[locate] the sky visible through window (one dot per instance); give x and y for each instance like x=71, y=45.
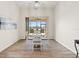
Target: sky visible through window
x=36, y=23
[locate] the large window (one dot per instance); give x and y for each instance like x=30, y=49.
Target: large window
x=36, y=27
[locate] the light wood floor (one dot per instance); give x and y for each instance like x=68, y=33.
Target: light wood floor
x=18, y=50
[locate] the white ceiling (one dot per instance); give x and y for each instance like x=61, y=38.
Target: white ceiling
x=41, y=3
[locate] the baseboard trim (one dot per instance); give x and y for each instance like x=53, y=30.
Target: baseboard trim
x=1, y=50
x=66, y=47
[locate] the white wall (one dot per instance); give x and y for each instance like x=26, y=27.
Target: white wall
x=67, y=23
x=41, y=12
x=8, y=37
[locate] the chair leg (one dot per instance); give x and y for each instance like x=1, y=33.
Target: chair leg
x=76, y=50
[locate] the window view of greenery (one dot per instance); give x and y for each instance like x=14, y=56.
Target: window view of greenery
x=37, y=26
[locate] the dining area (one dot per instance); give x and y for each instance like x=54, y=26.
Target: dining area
x=37, y=43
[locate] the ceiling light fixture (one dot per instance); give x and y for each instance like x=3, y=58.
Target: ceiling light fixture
x=36, y=3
